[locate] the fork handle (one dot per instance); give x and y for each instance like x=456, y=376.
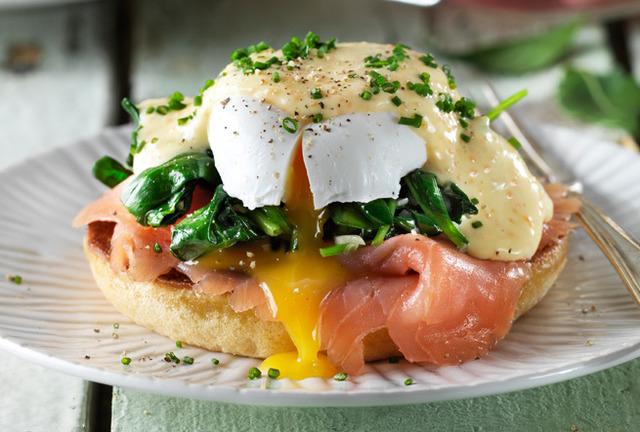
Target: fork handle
x=617, y=245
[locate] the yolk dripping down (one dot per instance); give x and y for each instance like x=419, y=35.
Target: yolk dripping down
x=298, y=281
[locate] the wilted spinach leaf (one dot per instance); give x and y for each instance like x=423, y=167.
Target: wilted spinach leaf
x=110, y=172
x=161, y=195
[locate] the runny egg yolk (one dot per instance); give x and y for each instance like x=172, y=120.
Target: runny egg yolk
x=298, y=281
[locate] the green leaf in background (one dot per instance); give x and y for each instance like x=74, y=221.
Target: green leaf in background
x=528, y=54
x=612, y=100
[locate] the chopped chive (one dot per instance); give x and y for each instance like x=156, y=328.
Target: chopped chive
x=316, y=93
x=116, y=325
x=452, y=81
x=276, y=77
x=475, y=201
x=463, y=123
x=394, y=359
x=157, y=248
x=126, y=360
x=183, y=120
x=416, y=121
x=466, y=138
x=154, y=140
x=188, y=360
x=515, y=143
x=333, y=250
x=366, y=95
x=162, y=109
x=290, y=125
x=206, y=85
x=150, y=110
x=197, y=100
x=16, y=279
x=317, y=118
x=340, y=376
x=175, y=101
x=408, y=381
x=353, y=75
x=254, y=373
x=179, y=344
x=476, y=224
x=171, y=357
x=215, y=361
x=396, y=101
x=428, y=60
x=495, y=112
x=273, y=373
x=445, y=102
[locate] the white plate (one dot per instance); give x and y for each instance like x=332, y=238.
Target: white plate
x=58, y=318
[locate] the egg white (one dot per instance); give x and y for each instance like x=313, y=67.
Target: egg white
x=356, y=157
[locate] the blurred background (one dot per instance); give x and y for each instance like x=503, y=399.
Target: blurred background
x=64, y=65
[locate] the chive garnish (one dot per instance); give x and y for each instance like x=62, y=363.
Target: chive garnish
x=276, y=77
x=408, y=381
x=179, y=344
x=515, y=143
x=197, y=100
x=150, y=110
x=188, y=360
x=317, y=118
x=16, y=279
x=495, y=112
x=162, y=109
x=171, y=357
x=476, y=224
x=254, y=373
x=452, y=81
x=157, y=248
x=428, y=60
x=396, y=101
x=353, y=75
x=183, y=120
x=445, y=102
x=126, y=360
x=273, y=373
x=116, y=325
x=333, y=250
x=475, y=201
x=366, y=95
x=175, y=101
x=466, y=138
x=290, y=125
x=416, y=121
x=340, y=376
x=215, y=361
x=316, y=93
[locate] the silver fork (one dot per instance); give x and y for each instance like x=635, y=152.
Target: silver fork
x=617, y=245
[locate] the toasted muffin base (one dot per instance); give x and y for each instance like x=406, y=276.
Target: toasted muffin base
x=171, y=308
